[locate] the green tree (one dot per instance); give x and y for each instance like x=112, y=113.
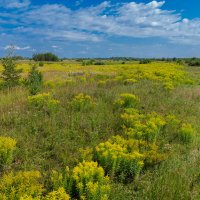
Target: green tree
x=45, y=57
x=34, y=80
x=10, y=75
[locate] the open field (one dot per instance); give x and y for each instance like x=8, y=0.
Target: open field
x=139, y=122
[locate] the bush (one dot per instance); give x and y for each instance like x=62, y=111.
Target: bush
x=127, y=101
x=34, y=81
x=140, y=126
x=90, y=181
x=21, y=185
x=124, y=159
x=82, y=102
x=43, y=102
x=186, y=133
x=7, y=146
x=41, y=64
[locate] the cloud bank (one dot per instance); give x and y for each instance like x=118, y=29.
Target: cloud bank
x=57, y=22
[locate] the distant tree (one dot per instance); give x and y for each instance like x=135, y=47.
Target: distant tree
x=45, y=57
x=34, y=80
x=145, y=61
x=10, y=75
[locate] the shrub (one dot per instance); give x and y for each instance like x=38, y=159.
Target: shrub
x=82, y=102
x=186, y=133
x=90, y=181
x=124, y=159
x=140, y=126
x=7, y=146
x=43, y=102
x=59, y=194
x=41, y=64
x=21, y=185
x=34, y=81
x=127, y=101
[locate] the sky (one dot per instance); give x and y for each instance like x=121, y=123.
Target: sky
x=94, y=28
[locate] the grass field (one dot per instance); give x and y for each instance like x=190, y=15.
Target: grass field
x=140, y=122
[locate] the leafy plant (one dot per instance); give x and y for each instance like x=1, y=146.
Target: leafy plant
x=82, y=102
x=90, y=181
x=124, y=159
x=140, y=126
x=127, y=101
x=21, y=185
x=43, y=102
x=59, y=194
x=7, y=146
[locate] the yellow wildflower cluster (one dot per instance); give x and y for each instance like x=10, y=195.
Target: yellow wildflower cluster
x=90, y=181
x=127, y=101
x=43, y=102
x=82, y=102
x=124, y=159
x=20, y=185
x=7, y=146
x=170, y=74
x=140, y=126
x=59, y=194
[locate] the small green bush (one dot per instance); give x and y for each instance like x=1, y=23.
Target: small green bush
x=7, y=146
x=41, y=64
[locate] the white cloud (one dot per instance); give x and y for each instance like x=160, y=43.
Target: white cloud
x=16, y=47
x=137, y=20
x=14, y=3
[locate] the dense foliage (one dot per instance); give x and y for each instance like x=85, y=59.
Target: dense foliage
x=45, y=57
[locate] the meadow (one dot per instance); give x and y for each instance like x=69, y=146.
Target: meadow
x=97, y=132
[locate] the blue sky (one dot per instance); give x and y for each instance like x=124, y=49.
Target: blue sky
x=94, y=28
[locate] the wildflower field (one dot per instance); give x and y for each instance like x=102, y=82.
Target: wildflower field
x=117, y=131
